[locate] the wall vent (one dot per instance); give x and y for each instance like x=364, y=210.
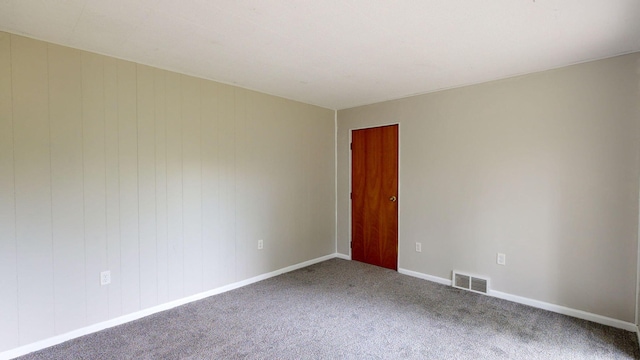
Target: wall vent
x=470, y=282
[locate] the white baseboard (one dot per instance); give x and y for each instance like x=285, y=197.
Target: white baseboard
x=431, y=278
x=55, y=340
x=538, y=304
x=342, y=256
x=566, y=311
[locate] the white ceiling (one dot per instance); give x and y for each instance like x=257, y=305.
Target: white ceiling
x=337, y=53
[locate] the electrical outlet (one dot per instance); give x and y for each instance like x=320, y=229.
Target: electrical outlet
x=502, y=259
x=418, y=247
x=260, y=244
x=105, y=278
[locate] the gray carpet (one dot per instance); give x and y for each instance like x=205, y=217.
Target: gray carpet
x=348, y=310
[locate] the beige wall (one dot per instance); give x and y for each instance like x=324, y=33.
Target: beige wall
x=542, y=167
x=164, y=179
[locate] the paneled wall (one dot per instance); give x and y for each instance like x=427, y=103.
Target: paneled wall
x=166, y=180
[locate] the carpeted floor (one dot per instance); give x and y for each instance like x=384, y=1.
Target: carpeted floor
x=348, y=310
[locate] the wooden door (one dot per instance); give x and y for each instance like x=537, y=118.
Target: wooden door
x=374, y=205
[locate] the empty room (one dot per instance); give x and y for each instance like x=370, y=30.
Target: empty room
x=319, y=179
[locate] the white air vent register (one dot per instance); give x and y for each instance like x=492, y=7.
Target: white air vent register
x=470, y=282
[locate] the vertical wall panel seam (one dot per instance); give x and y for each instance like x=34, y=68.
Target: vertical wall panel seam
x=180, y=122
x=218, y=166
x=53, y=273
x=15, y=200
x=235, y=183
x=118, y=177
x=335, y=177
x=138, y=187
x=84, y=215
x=155, y=181
x=166, y=182
x=201, y=207
x=106, y=193
x=116, y=98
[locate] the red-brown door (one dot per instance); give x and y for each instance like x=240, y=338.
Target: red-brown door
x=374, y=205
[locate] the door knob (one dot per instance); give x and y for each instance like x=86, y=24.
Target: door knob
x=393, y=199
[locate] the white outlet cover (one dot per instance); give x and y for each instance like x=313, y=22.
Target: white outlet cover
x=260, y=244
x=105, y=278
x=418, y=247
x=501, y=259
